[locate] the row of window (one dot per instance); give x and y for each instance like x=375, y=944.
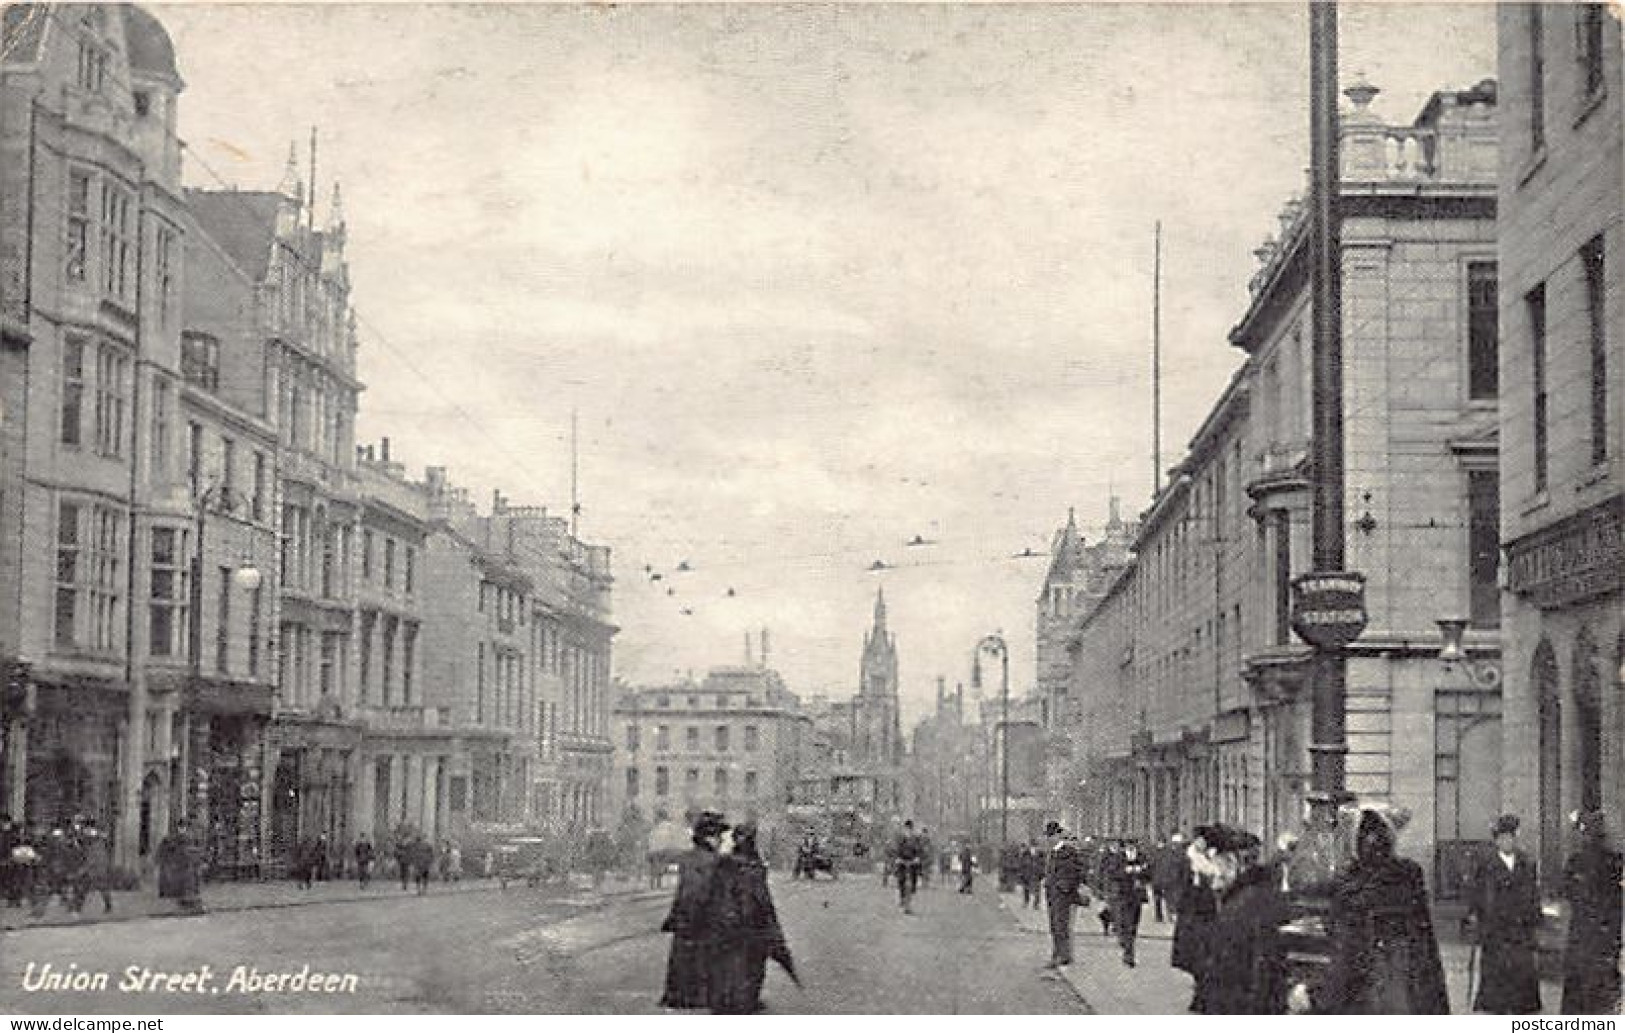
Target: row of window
x=313, y=664
x=721, y=782
x=724, y=700
x=1593, y=294
x=391, y=630
x=721, y=737
x=97, y=371
x=499, y=687
x=89, y=595
x=380, y=563
x=1590, y=25
x=316, y=416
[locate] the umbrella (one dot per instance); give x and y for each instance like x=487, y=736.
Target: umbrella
x=781, y=954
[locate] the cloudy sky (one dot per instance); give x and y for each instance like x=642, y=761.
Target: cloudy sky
x=817, y=278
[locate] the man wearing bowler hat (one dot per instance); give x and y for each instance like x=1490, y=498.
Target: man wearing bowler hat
x=1504, y=912
x=1062, y=876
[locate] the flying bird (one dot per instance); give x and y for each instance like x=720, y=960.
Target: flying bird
x=687, y=612
x=731, y=593
x=683, y=567
x=880, y=565
x=655, y=576
x=918, y=540
x=1027, y=554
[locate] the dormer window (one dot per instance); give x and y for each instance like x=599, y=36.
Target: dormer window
x=143, y=103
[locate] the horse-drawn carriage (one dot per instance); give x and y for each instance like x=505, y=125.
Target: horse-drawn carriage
x=528, y=859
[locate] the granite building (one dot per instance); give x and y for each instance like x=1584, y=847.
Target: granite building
x=1562, y=314
x=1195, y=689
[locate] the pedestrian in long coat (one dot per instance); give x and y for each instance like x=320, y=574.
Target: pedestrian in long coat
x=1196, y=907
x=1168, y=874
x=1385, y=958
x=1247, y=976
x=1063, y=875
x=422, y=863
x=747, y=928
x=1505, y=912
x=98, y=871
x=1125, y=875
x=363, y=860
x=691, y=920
x=1591, y=882
x=179, y=869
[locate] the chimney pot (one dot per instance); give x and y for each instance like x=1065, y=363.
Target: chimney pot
x=383, y=449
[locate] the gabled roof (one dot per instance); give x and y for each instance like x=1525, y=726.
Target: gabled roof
x=242, y=222
x=1068, y=553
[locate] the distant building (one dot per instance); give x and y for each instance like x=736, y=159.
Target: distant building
x=1562, y=426
x=947, y=769
x=1078, y=577
x=734, y=742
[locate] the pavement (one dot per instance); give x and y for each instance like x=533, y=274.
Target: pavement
x=131, y=905
x=1155, y=987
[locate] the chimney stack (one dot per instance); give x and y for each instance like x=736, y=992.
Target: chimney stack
x=764, y=647
x=383, y=449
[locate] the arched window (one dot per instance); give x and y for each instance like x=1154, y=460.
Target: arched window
x=1588, y=714
x=1543, y=678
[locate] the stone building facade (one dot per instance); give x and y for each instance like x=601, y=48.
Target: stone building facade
x=1079, y=574
x=1197, y=702
x=301, y=313
x=734, y=741
x=1562, y=246
x=96, y=503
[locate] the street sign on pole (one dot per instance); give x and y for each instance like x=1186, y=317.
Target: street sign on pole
x=1328, y=608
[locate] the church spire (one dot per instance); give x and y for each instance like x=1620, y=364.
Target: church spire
x=292, y=187
x=880, y=610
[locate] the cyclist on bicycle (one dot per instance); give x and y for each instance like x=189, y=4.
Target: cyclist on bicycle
x=909, y=854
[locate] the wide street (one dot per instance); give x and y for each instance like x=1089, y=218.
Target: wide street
x=521, y=951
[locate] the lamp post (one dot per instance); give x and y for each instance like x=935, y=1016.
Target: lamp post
x=994, y=644
x=220, y=497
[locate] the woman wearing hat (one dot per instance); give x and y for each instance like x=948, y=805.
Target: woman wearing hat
x=1195, y=909
x=1247, y=974
x=692, y=921
x=1505, y=911
x=1385, y=958
x=747, y=928
x=1591, y=882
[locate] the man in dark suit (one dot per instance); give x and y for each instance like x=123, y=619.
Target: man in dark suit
x=1504, y=912
x=1063, y=873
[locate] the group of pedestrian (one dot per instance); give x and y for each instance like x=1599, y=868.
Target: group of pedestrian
x=414, y=859
x=1504, y=918
x=1230, y=904
x=67, y=862
x=723, y=924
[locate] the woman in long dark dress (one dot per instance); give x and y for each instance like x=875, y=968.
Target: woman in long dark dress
x=692, y=919
x=747, y=926
x=1195, y=908
x=1591, y=881
x=1247, y=976
x=1385, y=958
